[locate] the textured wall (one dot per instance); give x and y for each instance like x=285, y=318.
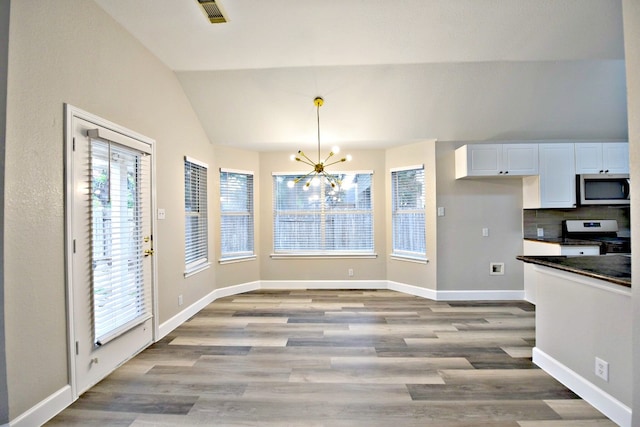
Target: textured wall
x=470, y=205
x=322, y=269
x=631, y=16
x=423, y=275
x=231, y=158
x=4, y=55
x=70, y=51
x=375, y=106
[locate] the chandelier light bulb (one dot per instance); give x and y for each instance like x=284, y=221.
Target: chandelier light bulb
x=318, y=171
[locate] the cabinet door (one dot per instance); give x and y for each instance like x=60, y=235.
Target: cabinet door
x=520, y=159
x=615, y=157
x=557, y=175
x=484, y=159
x=588, y=157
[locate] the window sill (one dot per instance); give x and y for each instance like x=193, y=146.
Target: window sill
x=234, y=260
x=196, y=270
x=325, y=256
x=410, y=259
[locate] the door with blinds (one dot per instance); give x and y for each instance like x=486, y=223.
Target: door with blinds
x=111, y=248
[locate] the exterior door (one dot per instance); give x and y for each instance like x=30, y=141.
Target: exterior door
x=111, y=248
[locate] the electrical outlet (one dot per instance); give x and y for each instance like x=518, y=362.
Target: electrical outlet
x=602, y=369
x=540, y=232
x=485, y=232
x=351, y=272
x=180, y=300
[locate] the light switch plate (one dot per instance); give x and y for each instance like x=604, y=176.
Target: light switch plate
x=161, y=214
x=440, y=211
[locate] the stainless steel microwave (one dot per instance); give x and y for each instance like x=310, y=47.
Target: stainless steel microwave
x=603, y=189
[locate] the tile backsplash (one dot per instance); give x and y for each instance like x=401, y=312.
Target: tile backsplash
x=551, y=219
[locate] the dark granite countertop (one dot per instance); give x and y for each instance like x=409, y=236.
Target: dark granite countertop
x=563, y=241
x=611, y=268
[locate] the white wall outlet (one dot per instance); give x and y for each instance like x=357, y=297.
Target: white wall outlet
x=351, y=272
x=161, y=214
x=180, y=300
x=496, y=268
x=540, y=232
x=602, y=369
x=440, y=211
x=485, y=232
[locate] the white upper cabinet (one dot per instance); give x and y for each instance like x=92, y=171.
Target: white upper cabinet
x=476, y=160
x=555, y=187
x=602, y=157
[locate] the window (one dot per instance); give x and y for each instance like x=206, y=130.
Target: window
x=195, y=211
x=408, y=212
x=119, y=202
x=236, y=211
x=323, y=220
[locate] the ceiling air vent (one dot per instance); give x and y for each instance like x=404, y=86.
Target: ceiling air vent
x=212, y=11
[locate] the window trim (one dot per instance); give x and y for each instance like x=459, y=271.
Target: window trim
x=204, y=263
x=404, y=255
x=317, y=254
x=245, y=256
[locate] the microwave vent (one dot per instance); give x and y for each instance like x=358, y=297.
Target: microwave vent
x=212, y=11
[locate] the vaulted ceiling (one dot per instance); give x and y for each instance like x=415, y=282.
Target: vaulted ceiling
x=391, y=72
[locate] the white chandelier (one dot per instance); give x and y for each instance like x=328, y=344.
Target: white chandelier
x=319, y=167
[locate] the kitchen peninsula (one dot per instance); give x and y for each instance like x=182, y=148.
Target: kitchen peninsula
x=583, y=327
x=610, y=268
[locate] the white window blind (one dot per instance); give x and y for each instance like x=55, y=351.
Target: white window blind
x=323, y=220
x=236, y=214
x=119, y=179
x=195, y=210
x=408, y=212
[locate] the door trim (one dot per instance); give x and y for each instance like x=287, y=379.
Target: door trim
x=71, y=112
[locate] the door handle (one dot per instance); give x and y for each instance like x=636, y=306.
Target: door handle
x=148, y=252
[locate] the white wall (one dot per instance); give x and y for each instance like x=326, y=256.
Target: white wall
x=471, y=205
x=410, y=273
x=245, y=271
x=4, y=46
x=373, y=105
x=631, y=16
x=579, y=319
x=322, y=269
x=70, y=51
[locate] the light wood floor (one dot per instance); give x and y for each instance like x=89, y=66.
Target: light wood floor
x=338, y=358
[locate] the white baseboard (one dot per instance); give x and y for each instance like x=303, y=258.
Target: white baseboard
x=602, y=401
x=323, y=284
x=412, y=290
x=166, y=327
x=456, y=295
x=45, y=410
x=236, y=289
x=480, y=295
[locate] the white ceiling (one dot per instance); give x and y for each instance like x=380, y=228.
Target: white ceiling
x=391, y=72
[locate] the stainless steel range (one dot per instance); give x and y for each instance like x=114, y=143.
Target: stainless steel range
x=603, y=231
